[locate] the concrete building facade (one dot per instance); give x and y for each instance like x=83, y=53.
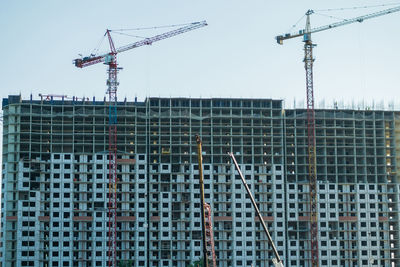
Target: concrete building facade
x=55, y=182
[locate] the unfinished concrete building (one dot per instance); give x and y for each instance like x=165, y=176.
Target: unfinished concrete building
x=55, y=182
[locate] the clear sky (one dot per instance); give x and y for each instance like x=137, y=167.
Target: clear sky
x=235, y=56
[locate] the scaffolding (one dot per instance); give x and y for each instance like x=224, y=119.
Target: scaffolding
x=55, y=165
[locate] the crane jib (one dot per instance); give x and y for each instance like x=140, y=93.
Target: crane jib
x=151, y=40
x=91, y=60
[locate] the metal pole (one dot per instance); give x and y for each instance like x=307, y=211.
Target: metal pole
x=203, y=215
x=277, y=261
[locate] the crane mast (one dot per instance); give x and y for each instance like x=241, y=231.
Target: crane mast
x=312, y=162
x=110, y=59
x=112, y=84
x=308, y=65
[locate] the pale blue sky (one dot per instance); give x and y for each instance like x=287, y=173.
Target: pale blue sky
x=235, y=56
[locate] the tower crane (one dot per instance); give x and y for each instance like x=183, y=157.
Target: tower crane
x=308, y=64
x=110, y=59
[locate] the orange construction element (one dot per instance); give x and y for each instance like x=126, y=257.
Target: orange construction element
x=210, y=234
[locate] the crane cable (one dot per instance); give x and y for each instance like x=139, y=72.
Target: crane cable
x=347, y=8
x=357, y=7
x=97, y=48
x=154, y=27
x=329, y=16
x=130, y=35
x=120, y=32
x=295, y=25
x=95, y=51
